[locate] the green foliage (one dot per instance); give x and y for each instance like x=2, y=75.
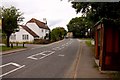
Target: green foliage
x=95, y=11
x=79, y=26
x=88, y=42
x=4, y=38
x=10, y=18
x=57, y=34
x=5, y=48
x=0, y=12
x=41, y=41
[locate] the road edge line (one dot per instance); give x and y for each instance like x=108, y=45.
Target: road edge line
x=77, y=62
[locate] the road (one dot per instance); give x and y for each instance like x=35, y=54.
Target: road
x=50, y=61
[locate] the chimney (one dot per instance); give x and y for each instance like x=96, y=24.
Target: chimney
x=45, y=21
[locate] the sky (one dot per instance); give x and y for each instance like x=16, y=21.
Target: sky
x=57, y=12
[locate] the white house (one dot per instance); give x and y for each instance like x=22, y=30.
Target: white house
x=34, y=29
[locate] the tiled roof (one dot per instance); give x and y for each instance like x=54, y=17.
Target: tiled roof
x=39, y=23
x=29, y=31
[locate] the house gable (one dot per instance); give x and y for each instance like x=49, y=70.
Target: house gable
x=29, y=31
x=40, y=28
x=39, y=23
x=18, y=36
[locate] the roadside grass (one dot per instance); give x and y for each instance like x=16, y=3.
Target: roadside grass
x=95, y=65
x=88, y=42
x=4, y=48
x=115, y=76
x=85, y=38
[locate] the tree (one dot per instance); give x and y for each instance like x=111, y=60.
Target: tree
x=10, y=19
x=95, y=11
x=79, y=26
x=58, y=33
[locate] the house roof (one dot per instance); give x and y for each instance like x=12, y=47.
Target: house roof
x=29, y=31
x=39, y=23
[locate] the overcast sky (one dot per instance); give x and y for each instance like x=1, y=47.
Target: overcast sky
x=57, y=12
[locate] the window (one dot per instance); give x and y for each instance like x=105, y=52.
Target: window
x=42, y=30
x=25, y=37
x=47, y=31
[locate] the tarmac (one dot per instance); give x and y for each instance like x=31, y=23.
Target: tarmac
x=28, y=46
x=87, y=65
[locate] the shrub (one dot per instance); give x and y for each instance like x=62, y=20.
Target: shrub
x=41, y=41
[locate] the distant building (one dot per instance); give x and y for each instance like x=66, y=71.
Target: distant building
x=69, y=35
x=34, y=29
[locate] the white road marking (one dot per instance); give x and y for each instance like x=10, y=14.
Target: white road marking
x=30, y=57
x=61, y=55
x=47, y=55
x=11, y=63
x=38, y=47
x=56, y=48
x=66, y=43
x=39, y=54
x=44, y=55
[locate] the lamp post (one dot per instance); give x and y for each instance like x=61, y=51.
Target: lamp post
x=2, y=21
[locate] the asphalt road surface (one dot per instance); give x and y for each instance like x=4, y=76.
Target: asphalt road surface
x=50, y=61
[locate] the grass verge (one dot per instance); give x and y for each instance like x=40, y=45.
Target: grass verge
x=88, y=42
x=4, y=48
x=115, y=76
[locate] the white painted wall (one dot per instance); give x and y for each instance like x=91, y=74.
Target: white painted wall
x=37, y=30
x=19, y=37
x=34, y=28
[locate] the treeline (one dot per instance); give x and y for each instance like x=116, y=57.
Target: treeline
x=80, y=26
x=57, y=33
x=92, y=13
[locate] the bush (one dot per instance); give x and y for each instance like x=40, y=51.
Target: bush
x=41, y=41
x=88, y=42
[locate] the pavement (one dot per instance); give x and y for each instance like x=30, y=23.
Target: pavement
x=87, y=68
x=69, y=58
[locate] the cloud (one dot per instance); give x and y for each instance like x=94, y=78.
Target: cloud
x=54, y=22
x=57, y=12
